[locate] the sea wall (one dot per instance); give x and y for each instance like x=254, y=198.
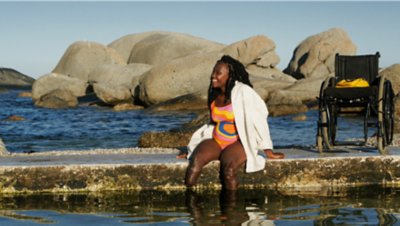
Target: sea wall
x=140, y=171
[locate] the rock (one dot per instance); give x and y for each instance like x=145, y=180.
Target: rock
x=15, y=118
x=82, y=57
x=252, y=50
x=25, y=94
x=307, y=90
x=193, y=101
x=11, y=77
x=301, y=117
x=191, y=74
x=58, y=98
x=118, y=75
x=164, y=139
x=178, y=77
x=162, y=48
x=315, y=56
x=53, y=81
x=175, y=138
x=3, y=149
x=126, y=107
x=125, y=44
x=112, y=95
x=265, y=86
x=393, y=74
x=286, y=109
x=396, y=114
x=268, y=73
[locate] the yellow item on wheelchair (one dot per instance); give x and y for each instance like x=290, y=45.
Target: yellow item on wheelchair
x=356, y=83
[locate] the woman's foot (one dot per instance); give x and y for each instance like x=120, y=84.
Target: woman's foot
x=274, y=155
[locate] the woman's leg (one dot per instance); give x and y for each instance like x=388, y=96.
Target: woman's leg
x=205, y=152
x=232, y=157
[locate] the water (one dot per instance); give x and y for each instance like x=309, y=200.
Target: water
x=352, y=206
x=96, y=127
x=88, y=127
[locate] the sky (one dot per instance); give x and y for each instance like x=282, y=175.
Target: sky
x=34, y=35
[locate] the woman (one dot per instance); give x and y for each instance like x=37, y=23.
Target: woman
x=237, y=130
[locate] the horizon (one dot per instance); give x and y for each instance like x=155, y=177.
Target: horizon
x=36, y=34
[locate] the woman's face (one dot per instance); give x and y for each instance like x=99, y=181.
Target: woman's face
x=220, y=76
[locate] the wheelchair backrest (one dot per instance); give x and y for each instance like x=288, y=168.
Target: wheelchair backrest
x=357, y=66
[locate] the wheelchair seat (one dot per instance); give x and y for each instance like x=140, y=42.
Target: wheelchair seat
x=351, y=93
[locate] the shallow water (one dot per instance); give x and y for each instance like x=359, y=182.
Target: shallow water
x=353, y=206
x=89, y=127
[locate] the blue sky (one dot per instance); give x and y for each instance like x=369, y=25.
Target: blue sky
x=34, y=35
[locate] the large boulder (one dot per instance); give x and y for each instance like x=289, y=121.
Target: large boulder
x=112, y=95
x=82, y=57
x=191, y=74
x=315, y=56
x=393, y=74
x=125, y=44
x=161, y=48
x=253, y=50
x=53, y=81
x=117, y=83
x=11, y=77
x=58, y=98
x=192, y=102
x=264, y=86
x=118, y=75
x=178, y=77
x=396, y=128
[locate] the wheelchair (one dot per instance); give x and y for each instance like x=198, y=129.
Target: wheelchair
x=374, y=101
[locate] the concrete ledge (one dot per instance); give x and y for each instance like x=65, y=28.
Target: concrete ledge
x=138, y=169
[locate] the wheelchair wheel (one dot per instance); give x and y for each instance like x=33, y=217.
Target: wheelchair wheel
x=385, y=115
x=324, y=122
x=388, y=113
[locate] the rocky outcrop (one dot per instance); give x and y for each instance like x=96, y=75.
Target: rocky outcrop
x=164, y=139
x=393, y=74
x=162, y=48
x=125, y=44
x=112, y=95
x=116, y=83
x=178, y=77
x=191, y=74
x=58, y=98
x=253, y=50
x=192, y=102
x=315, y=56
x=396, y=128
x=53, y=81
x=81, y=58
x=11, y=77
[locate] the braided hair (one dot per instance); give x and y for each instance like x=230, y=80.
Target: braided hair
x=237, y=72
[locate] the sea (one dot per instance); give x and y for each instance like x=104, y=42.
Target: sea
x=93, y=127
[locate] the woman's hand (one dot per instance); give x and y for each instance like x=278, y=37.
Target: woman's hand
x=273, y=155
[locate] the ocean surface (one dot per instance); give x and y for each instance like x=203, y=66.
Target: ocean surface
x=93, y=127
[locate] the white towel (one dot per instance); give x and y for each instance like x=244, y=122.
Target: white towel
x=251, y=115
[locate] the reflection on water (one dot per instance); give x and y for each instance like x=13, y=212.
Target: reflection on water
x=365, y=206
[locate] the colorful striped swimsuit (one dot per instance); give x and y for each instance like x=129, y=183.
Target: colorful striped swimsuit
x=225, y=132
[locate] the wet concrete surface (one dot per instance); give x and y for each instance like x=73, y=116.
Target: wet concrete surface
x=151, y=168
x=166, y=155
